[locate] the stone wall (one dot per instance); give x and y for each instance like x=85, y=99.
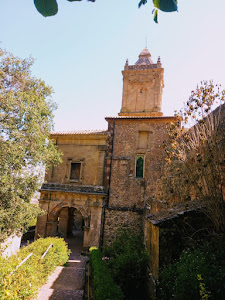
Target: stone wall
x=125, y=189
x=116, y=219
x=11, y=245
x=221, y=111
x=85, y=149
x=151, y=234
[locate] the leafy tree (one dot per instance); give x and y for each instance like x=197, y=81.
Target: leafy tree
x=199, y=273
x=50, y=7
x=195, y=154
x=26, y=118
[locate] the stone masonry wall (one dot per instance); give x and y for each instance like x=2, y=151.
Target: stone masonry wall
x=125, y=189
x=116, y=219
x=11, y=245
x=221, y=110
x=88, y=150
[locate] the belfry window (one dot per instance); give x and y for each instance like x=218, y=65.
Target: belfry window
x=140, y=166
x=75, y=171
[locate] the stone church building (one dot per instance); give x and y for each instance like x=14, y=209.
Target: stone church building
x=107, y=179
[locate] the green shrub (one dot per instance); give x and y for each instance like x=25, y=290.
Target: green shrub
x=103, y=284
x=25, y=281
x=32, y=222
x=128, y=262
x=198, y=274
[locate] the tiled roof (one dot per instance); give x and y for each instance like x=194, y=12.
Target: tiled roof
x=144, y=58
x=81, y=132
x=145, y=52
x=175, y=211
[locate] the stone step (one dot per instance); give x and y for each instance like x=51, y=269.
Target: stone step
x=75, y=263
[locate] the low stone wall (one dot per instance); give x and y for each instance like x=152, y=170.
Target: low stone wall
x=11, y=245
x=116, y=218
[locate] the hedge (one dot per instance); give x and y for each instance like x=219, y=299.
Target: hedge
x=127, y=263
x=25, y=281
x=103, y=284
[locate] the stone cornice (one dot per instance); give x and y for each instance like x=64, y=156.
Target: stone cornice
x=151, y=118
x=125, y=208
x=78, y=189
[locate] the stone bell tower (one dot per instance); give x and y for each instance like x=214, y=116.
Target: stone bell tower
x=142, y=87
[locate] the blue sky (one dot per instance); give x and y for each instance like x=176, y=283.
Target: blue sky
x=82, y=50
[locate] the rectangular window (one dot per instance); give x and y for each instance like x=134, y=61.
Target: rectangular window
x=140, y=166
x=75, y=171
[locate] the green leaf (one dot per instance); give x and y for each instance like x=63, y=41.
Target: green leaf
x=46, y=7
x=166, y=5
x=156, y=16
x=142, y=2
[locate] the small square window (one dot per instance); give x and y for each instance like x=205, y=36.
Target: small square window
x=75, y=171
x=140, y=166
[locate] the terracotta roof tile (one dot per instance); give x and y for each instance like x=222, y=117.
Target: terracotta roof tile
x=80, y=132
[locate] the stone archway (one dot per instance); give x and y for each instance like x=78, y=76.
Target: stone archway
x=69, y=220
x=89, y=205
x=54, y=213
x=64, y=210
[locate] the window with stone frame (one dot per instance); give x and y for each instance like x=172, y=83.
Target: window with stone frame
x=139, y=166
x=75, y=170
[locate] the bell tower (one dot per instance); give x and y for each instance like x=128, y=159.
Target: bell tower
x=142, y=87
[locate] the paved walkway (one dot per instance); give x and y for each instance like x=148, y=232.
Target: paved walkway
x=67, y=282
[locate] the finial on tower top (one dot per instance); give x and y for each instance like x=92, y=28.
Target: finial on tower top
x=159, y=64
x=126, y=65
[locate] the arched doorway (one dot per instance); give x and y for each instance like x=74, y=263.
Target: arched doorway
x=71, y=227
x=90, y=209
x=70, y=221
